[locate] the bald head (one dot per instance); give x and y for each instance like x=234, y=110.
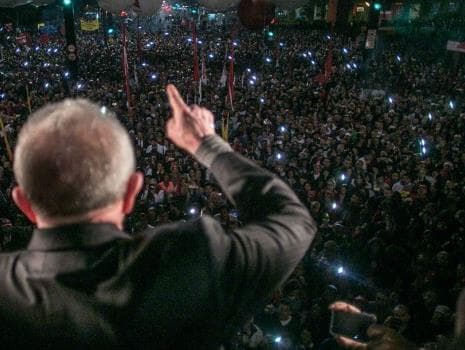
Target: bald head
x=73, y=157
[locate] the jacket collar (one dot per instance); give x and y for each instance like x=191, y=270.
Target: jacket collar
x=75, y=236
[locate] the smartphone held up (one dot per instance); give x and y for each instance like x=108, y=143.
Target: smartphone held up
x=351, y=325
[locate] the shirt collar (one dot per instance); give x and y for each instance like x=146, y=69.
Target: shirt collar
x=75, y=236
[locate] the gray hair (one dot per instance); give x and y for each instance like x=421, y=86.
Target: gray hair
x=73, y=157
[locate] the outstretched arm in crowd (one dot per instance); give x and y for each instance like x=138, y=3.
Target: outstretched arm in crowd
x=381, y=337
x=255, y=259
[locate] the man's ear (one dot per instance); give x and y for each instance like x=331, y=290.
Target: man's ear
x=135, y=183
x=21, y=201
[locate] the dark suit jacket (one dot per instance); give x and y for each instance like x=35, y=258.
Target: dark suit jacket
x=177, y=287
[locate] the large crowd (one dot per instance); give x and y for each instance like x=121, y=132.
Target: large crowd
x=376, y=154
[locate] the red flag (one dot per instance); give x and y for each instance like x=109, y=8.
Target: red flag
x=196, y=55
x=323, y=78
x=320, y=79
x=231, y=76
x=44, y=39
x=329, y=63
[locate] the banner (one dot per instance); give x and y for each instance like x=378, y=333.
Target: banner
x=90, y=26
x=456, y=46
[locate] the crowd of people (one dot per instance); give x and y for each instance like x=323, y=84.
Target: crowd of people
x=375, y=153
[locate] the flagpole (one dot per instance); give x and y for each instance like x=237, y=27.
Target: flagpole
x=223, y=78
x=196, y=55
x=126, y=66
x=136, y=78
x=28, y=99
x=225, y=127
x=5, y=140
x=231, y=76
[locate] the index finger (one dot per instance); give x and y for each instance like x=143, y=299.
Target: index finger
x=175, y=99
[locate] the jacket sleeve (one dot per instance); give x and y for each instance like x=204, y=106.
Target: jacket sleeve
x=255, y=259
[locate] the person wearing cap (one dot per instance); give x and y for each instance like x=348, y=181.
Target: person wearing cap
x=84, y=283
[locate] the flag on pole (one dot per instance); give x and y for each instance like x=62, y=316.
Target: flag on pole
x=329, y=63
x=325, y=76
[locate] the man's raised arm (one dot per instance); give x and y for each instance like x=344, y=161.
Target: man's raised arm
x=255, y=259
